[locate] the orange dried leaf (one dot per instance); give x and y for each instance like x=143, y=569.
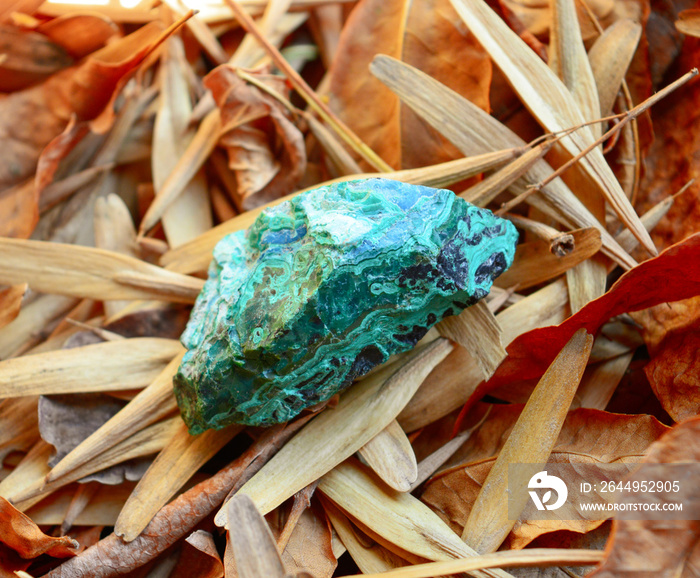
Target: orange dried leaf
x=660, y=547
x=424, y=34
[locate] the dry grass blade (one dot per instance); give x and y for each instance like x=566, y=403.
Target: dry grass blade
x=550, y=102
x=189, y=213
x=477, y=330
x=530, y=442
x=11, y=302
x=534, y=262
x=586, y=282
x=391, y=456
x=569, y=61
x=29, y=473
x=86, y=272
x=398, y=517
x=487, y=190
x=610, y=58
x=535, y=557
x=147, y=442
x=196, y=255
x=368, y=555
x=195, y=155
x=251, y=542
x=474, y=132
x=109, y=366
x=150, y=405
x=364, y=410
x=176, y=463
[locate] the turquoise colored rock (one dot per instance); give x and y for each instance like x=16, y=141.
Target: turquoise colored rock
x=324, y=287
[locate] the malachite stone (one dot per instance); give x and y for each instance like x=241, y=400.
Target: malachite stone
x=324, y=287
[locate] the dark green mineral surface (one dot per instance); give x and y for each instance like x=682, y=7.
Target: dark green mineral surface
x=324, y=287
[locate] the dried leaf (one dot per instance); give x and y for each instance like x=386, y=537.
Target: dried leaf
x=18, y=532
x=114, y=365
x=20, y=424
x=189, y=215
x=363, y=411
x=10, y=303
x=689, y=22
x=266, y=150
x=80, y=34
x=454, y=380
x=674, y=374
x=587, y=436
x=309, y=547
x=199, y=557
x=550, y=102
x=29, y=57
x=530, y=442
x=150, y=405
x=425, y=35
x=659, y=547
x=175, y=464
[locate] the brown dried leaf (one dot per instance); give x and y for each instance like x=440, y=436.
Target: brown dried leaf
x=199, y=558
x=424, y=34
x=674, y=374
x=660, y=547
x=10, y=303
x=79, y=34
x=28, y=58
x=309, y=547
x=587, y=436
x=266, y=150
x=24, y=537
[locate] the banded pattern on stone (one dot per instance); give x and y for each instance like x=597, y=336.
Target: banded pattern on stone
x=326, y=286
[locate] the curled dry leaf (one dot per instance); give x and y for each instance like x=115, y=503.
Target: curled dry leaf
x=424, y=34
x=587, y=436
x=10, y=303
x=265, y=148
x=661, y=548
x=310, y=546
x=20, y=534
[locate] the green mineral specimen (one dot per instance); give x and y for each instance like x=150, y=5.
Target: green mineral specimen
x=324, y=287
